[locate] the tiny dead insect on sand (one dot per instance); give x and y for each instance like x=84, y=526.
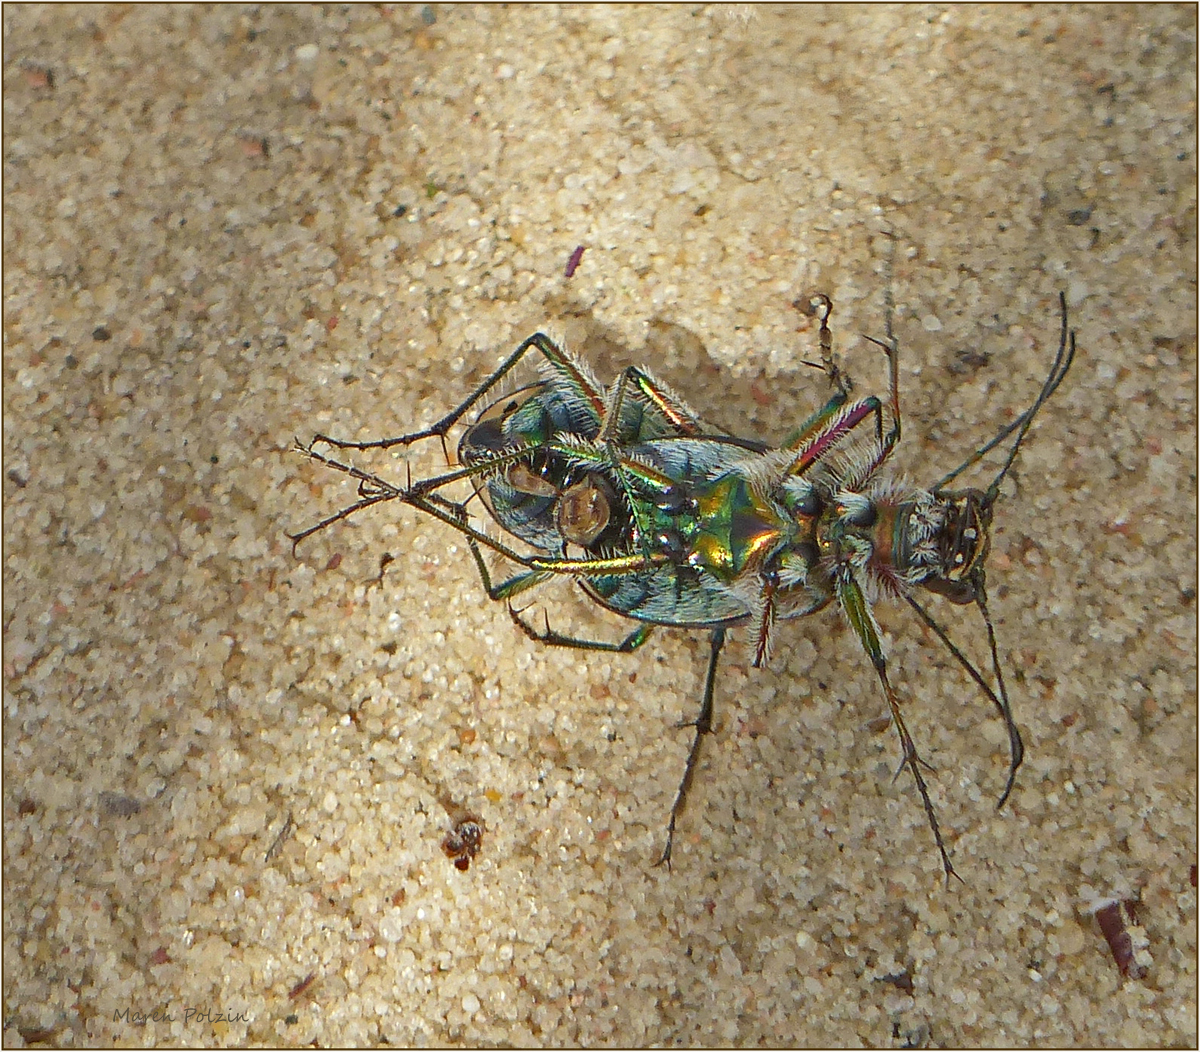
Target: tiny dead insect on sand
x=464, y=842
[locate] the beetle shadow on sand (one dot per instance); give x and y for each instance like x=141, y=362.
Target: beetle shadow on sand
x=750, y=405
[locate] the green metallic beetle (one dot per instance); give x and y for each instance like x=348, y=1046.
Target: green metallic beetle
x=666, y=520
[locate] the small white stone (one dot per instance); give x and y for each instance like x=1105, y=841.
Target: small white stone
x=470, y=1004
x=307, y=52
x=330, y=802
x=391, y=927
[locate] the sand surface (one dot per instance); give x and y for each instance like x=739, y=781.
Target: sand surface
x=228, y=771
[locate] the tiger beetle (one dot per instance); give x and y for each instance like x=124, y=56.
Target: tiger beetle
x=664, y=519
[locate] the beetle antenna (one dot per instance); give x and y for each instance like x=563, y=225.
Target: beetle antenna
x=1062, y=362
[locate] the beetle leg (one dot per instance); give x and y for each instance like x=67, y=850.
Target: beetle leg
x=858, y=613
x=679, y=416
x=559, y=360
x=827, y=427
x=554, y=639
x=702, y=725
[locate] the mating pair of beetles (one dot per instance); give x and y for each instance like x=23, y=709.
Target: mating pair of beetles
x=667, y=520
